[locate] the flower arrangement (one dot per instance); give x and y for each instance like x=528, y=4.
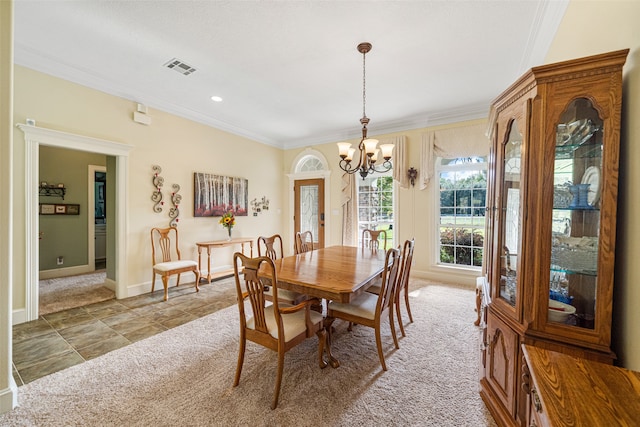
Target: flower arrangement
x=228, y=220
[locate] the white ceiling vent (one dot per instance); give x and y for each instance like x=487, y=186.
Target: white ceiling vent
x=180, y=66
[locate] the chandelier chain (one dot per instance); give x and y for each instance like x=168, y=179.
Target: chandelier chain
x=364, y=85
x=368, y=161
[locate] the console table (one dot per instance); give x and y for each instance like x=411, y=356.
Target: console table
x=219, y=244
x=569, y=391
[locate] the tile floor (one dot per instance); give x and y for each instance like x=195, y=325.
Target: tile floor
x=59, y=340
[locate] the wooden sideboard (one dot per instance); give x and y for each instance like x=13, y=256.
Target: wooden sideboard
x=570, y=391
x=219, y=244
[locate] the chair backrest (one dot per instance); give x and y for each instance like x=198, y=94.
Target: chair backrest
x=304, y=242
x=390, y=277
x=271, y=246
x=164, y=245
x=370, y=239
x=246, y=270
x=407, y=258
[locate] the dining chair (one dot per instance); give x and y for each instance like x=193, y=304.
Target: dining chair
x=370, y=239
x=403, y=285
x=279, y=328
x=272, y=247
x=368, y=309
x=164, y=245
x=304, y=242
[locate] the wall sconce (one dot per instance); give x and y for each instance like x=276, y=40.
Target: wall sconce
x=259, y=205
x=412, y=173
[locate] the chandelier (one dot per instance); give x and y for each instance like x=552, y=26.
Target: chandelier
x=367, y=148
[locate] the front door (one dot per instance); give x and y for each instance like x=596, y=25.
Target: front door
x=309, y=209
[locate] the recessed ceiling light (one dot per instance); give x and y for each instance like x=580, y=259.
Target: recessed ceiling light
x=216, y=99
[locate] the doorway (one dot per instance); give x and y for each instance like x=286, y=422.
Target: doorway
x=309, y=209
x=117, y=161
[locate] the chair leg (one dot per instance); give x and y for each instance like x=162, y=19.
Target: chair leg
x=276, y=392
x=399, y=316
x=393, y=327
x=243, y=344
x=165, y=283
x=197, y=273
x=153, y=282
x=379, y=344
x=406, y=302
x=178, y=281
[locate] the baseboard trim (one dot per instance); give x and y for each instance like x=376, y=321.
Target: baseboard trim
x=459, y=279
x=9, y=397
x=67, y=271
x=18, y=316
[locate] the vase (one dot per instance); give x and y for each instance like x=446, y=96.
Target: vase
x=574, y=189
x=583, y=195
x=229, y=231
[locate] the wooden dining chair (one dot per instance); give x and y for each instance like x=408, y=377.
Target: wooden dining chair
x=166, y=259
x=272, y=247
x=368, y=309
x=403, y=285
x=304, y=242
x=370, y=239
x=279, y=328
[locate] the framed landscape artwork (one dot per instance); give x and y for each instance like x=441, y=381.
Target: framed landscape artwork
x=214, y=195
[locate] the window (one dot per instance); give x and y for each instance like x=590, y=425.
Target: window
x=375, y=204
x=310, y=163
x=462, y=201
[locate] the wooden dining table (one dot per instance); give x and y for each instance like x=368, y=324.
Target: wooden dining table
x=336, y=273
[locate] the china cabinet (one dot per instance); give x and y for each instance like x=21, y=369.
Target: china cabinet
x=551, y=222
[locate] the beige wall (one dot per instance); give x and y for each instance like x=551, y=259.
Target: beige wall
x=181, y=147
x=589, y=28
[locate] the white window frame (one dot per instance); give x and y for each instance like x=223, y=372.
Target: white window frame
x=454, y=168
x=393, y=238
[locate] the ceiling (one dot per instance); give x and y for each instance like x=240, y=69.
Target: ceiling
x=288, y=71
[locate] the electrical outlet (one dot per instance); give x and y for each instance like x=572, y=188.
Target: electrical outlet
x=60, y=260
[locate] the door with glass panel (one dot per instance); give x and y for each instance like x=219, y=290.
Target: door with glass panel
x=309, y=209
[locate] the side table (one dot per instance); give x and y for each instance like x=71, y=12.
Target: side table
x=219, y=244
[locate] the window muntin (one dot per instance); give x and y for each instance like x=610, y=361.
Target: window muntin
x=375, y=205
x=461, y=216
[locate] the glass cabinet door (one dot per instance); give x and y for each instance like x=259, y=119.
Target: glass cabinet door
x=510, y=226
x=576, y=216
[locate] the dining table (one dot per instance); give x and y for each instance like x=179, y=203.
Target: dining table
x=335, y=273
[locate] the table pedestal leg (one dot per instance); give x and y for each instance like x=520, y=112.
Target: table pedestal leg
x=327, y=326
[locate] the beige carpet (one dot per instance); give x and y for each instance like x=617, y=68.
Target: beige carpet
x=70, y=292
x=183, y=377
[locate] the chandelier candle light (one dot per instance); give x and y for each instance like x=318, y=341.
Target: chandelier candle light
x=368, y=147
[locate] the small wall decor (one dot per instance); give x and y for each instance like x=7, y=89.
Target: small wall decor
x=215, y=195
x=157, y=181
x=56, y=190
x=412, y=173
x=59, y=209
x=174, y=212
x=258, y=206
